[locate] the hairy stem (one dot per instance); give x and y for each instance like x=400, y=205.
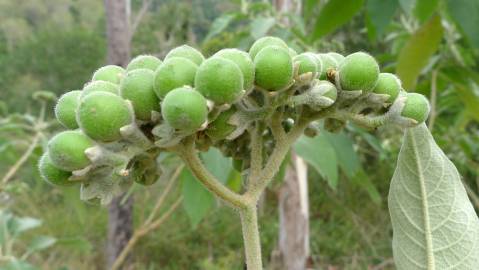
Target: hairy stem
x=252, y=245
x=189, y=155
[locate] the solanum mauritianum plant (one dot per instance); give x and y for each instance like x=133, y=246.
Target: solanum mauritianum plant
x=252, y=106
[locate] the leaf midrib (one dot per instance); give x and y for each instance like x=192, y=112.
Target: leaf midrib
x=425, y=206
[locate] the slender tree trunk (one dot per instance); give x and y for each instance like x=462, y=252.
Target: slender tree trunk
x=120, y=222
x=293, y=248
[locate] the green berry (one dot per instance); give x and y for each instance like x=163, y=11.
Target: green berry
x=388, y=84
x=219, y=80
x=328, y=62
x=184, y=109
x=244, y=62
x=187, y=52
x=138, y=87
x=53, y=174
x=220, y=128
x=264, y=42
x=67, y=150
x=110, y=73
x=292, y=52
x=273, y=68
x=337, y=57
x=173, y=73
x=101, y=115
x=65, y=110
x=144, y=61
x=100, y=86
x=358, y=71
x=307, y=63
x=416, y=107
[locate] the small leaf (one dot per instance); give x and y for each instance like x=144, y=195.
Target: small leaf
x=320, y=154
x=21, y=224
x=41, y=242
x=380, y=13
x=434, y=223
x=217, y=164
x=466, y=15
x=424, y=9
x=197, y=199
x=416, y=53
x=334, y=14
x=261, y=26
x=219, y=24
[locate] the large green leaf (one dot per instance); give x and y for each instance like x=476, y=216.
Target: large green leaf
x=319, y=153
x=197, y=199
x=217, y=164
x=415, y=55
x=380, y=13
x=424, y=9
x=261, y=26
x=466, y=15
x=434, y=223
x=334, y=14
x=220, y=24
x=348, y=160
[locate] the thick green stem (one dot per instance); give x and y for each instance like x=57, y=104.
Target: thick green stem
x=252, y=245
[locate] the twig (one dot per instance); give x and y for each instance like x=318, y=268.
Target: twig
x=144, y=230
x=256, y=153
x=11, y=172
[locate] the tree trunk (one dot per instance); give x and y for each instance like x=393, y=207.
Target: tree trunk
x=120, y=222
x=293, y=248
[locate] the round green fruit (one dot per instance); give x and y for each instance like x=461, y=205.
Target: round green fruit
x=99, y=86
x=307, y=63
x=67, y=150
x=264, y=42
x=416, y=107
x=187, y=52
x=219, y=80
x=173, y=73
x=273, y=68
x=101, y=115
x=388, y=84
x=328, y=62
x=65, y=109
x=144, y=61
x=292, y=52
x=184, y=109
x=220, y=128
x=358, y=71
x=244, y=62
x=337, y=57
x=110, y=73
x=53, y=174
x=138, y=87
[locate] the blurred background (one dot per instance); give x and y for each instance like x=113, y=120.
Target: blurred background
x=48, y=47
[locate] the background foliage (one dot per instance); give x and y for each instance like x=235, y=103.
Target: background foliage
x=433, y=45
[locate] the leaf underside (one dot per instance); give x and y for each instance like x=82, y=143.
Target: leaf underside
x=434, y=224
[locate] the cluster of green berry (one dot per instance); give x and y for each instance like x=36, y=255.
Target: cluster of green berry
x=121, y=120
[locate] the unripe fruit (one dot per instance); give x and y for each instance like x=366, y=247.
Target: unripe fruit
x=328, y=62
x=173, y=73
x=137, y=86
x=101, y=115
x=244, y=62
x=416, y=107
x=358, y=71
x=100, y=86
x=220, y=128
x=65, y=110
x=264, y=42
x=292, y=52
x=388, y=84
x=273, y=68
x=187, y=52
x=52, y=174
x=110, y=73
x=219, y=80
x=337, y=57
x=67, y=150
x=307, y=63
x=144, y=61
x=184, y=109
